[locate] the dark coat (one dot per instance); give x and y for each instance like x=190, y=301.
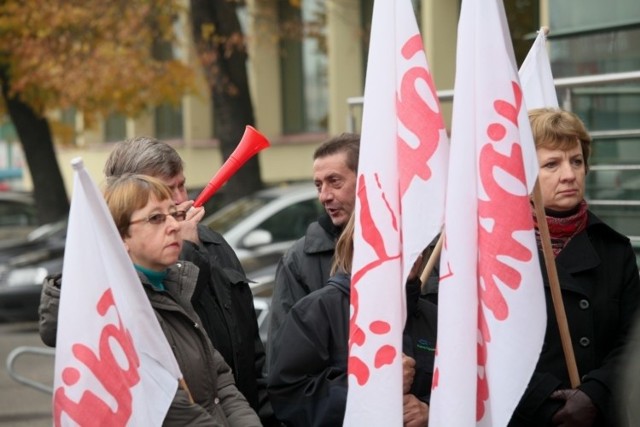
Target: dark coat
x=224, y=302
x=308, y=381
x=209, y=378
x=304, y=268
x=601, y=291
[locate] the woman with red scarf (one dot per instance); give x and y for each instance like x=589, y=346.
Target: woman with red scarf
x=599, y=282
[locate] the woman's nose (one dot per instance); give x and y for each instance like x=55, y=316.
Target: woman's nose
x=172, y=223
x=567, y=172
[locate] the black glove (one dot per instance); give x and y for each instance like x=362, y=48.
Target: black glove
x=578, y=409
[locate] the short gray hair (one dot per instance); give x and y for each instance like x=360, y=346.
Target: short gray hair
x=144, y=155
x=348, y=143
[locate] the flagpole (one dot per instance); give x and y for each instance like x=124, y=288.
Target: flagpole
x=554, y=285
x=431, y=262
x=185, y=387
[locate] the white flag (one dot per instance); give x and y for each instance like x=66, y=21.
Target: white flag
x=491, y=306
x=536, y=78
x=399, y=207
x=113, y=363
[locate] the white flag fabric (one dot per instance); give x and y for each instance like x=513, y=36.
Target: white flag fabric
x=113, y=364
x=491, y=307
x=399, y=207
x=536, y=78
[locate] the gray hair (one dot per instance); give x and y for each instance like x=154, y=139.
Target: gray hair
x=348, y=143
x=144, y=155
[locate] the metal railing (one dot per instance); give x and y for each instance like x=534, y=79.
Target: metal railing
x=566, y=87
x=565, y=84
x=16, y=353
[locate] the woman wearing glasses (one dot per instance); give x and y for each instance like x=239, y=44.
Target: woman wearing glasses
x=149, y=224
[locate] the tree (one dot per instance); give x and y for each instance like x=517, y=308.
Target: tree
x=221, y=48
x=524, y=20
x=34, y=131
x=95, y=56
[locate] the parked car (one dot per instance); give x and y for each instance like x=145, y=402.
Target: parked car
x=259, y=227
x=262, y=306
x=635, y=243
x=262, y=226
x=23, y=267
x=18, y=216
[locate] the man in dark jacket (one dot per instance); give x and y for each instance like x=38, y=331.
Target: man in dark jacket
x=222, y=298
x=308, y=378
x=306, y=265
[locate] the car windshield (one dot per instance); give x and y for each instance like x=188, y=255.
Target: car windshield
x=227, y=217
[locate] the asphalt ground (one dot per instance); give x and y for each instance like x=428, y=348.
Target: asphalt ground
x=21, y=405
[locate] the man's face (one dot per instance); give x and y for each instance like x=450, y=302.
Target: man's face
x=177, y=186
x=336, y=185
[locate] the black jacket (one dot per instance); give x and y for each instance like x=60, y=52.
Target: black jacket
x=601, y=291
x=303, y=269
x=308, y=379
x=224, y=303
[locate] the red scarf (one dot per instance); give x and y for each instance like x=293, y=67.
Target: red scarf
x=562, y=229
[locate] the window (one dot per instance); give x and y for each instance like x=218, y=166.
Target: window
x=304, y=66
x=168, y=118
x=594, y=37
x=115, y=128
x=291, y=222
x=168, y=122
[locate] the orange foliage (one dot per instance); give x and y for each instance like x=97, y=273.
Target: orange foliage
x=94, y=55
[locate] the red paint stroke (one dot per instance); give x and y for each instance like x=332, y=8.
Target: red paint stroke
x=115, y=379
x=380, y=327
x=508, y=213
x=416, y=115
x=359, y=369
x=385, y=356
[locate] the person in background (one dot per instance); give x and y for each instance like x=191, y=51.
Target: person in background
x=599, y=282
x=306, y=265
x=308, y=382
x=149, y=223
x=222, y=297
x=629, y=389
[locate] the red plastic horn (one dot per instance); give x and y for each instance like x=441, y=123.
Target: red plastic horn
x=252, y=143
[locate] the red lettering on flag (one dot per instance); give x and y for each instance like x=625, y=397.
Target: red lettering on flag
x=116, y=379
x=358, y=334
x=416, y=115
x=503, y=214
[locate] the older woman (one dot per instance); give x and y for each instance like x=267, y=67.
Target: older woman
x=149, y=224
x=599, y=282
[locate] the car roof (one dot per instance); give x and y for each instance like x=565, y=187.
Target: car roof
x=16, y=196
x=287, y=188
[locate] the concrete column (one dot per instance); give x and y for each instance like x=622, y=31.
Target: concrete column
x=544, y=13
x=197, y=118
x=264, y=65
x=143, y=125
x=439, y=33
x=345, y=62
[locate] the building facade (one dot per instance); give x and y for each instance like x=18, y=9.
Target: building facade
x=299, y=87
x=302, y=77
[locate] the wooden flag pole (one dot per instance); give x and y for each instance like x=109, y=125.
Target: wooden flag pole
x=183, y=385
x=554, y=285
x=431, y=262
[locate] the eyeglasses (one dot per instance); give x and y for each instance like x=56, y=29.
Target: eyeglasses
x=160, y=218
